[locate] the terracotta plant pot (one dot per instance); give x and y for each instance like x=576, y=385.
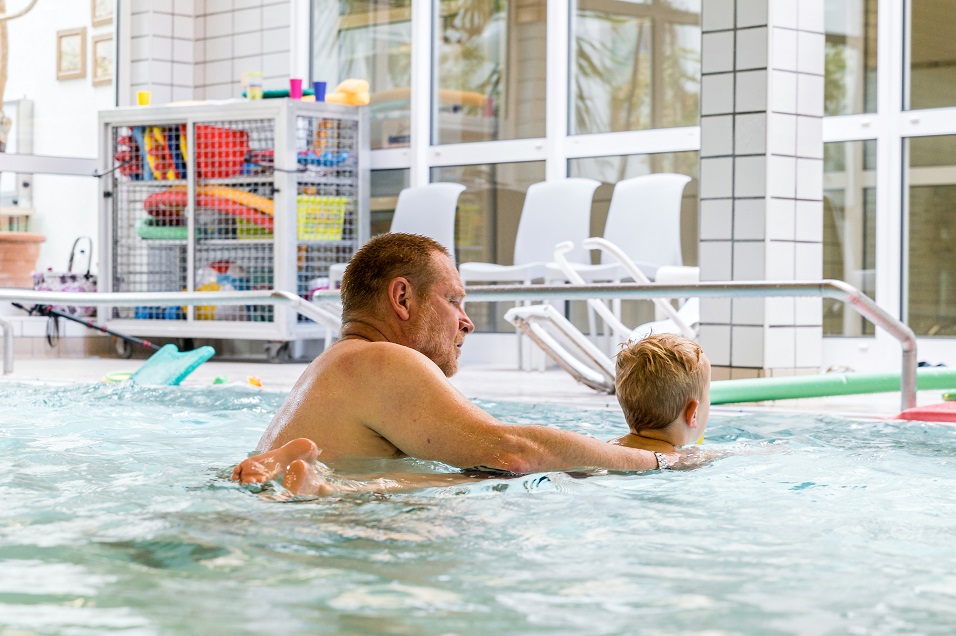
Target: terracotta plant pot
x=18, y=258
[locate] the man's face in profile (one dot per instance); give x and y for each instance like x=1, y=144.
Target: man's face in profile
x=441, y=325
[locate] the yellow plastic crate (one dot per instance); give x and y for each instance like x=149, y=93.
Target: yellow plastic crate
x=320, y=218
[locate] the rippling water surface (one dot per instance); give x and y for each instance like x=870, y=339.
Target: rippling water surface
x=117, y=517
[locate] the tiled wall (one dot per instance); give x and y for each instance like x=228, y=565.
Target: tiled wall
x=199, y=49
x=761, y=173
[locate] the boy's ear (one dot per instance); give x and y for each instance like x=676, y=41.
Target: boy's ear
x=690, y=413
x=399, y=296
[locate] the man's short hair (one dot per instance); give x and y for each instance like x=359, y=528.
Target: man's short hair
x=656, y=377
x=382, y=259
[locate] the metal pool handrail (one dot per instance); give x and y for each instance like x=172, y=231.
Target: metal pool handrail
x=161, y=299
x=834, y=289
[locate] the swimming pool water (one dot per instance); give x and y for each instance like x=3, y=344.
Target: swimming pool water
x=117, y=517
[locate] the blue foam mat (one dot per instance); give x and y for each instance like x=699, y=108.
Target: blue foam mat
x=170, y=366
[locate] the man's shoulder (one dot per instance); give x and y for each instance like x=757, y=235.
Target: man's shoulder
x=363, y=356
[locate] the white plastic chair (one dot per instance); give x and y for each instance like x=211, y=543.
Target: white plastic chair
x=428, y=210
x=643, y=220
x=553, y=212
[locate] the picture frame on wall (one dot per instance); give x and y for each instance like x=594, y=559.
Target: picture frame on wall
x=101, y=51
x=102, y=12
x=71, y=54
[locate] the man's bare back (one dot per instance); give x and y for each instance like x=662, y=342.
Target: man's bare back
x=346, y=395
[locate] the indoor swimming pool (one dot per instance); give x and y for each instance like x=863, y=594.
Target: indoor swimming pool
x=118, y=517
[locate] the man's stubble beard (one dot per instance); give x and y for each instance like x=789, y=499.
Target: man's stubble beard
x=428, y=339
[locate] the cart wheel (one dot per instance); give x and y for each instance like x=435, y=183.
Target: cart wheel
x=277, y=351
x=124, y=349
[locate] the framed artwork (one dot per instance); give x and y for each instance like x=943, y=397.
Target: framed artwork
x=102, y=12
x=102, y=54
x=71, y=54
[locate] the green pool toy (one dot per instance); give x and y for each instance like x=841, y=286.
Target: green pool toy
x=170, y=366
x=147, y=229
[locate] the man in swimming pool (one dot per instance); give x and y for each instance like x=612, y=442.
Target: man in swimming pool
x=382, y=389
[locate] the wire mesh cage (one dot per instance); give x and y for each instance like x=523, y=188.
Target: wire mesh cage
x=194, y=204
x=326, y=198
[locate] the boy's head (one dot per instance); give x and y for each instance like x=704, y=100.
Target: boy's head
x=663, y=378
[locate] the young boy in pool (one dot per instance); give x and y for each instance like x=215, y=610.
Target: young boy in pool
x=663, y=386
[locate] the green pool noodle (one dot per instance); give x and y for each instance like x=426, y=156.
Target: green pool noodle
x=823, y=385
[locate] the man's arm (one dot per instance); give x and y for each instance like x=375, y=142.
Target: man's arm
x=415, y=407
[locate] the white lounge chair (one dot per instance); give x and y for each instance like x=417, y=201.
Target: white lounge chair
x=573, y=351
x=643, y=221
x=553, y=212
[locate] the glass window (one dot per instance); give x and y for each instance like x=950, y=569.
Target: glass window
x=931, y=255
x=636, y=65
x=932, y=59
x=487, y=221
x=490, y=75
x=370, y=40
x=384, y=186
x=849, y=230
x=850, y=85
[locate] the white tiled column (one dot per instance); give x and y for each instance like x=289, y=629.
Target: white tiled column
x=237, y=36
x=162, y=49
x=199, y=49
x=761, y=180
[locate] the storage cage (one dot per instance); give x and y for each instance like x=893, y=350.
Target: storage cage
x=248, y=195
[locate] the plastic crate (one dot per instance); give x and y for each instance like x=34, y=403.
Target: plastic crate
x=320, y=218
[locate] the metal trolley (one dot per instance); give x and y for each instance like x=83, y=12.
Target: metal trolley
x=233, y=196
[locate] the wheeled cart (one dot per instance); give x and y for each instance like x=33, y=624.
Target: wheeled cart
x=229, y=196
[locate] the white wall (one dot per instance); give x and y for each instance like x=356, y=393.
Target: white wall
x=65, y=115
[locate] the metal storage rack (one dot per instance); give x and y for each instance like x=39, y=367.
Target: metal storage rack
x=259, y=194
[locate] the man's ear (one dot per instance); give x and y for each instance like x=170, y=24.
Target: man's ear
x=690, y=413
x=400, y=296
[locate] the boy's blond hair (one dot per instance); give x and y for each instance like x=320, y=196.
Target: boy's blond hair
x=656, y=377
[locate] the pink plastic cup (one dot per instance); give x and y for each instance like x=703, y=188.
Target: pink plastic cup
x=295, y=88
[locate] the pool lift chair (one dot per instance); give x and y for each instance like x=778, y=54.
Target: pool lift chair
x=428, y=210
x=572, y=350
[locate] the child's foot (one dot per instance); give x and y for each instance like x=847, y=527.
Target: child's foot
x=301, y=479
x=269, y=465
